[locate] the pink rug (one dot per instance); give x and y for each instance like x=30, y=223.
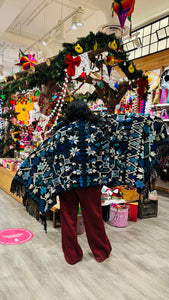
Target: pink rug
x=14, y=236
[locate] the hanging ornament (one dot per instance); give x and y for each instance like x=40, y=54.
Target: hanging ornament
x=124, y=9
x=113, y=45
x=3, y=96
x=109, y=69
x=72, y=62
x=95, y=46
x=101, y=84
x=131, y=68
x=111, y=60
x=37, y=93
x=83, y=74
x=27, y=61
x=142, y=86
x=23, y=110
x=112, y=9
x=78, y=48
x=116, y=85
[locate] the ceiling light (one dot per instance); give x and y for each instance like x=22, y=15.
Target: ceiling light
x=79, y=24
x=74, y=27
x=77, y=20
x=43, y=42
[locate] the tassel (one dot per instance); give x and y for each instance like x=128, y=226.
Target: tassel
x=121, y=41
x=130, y=28
x=112, y=9
x=43, y=221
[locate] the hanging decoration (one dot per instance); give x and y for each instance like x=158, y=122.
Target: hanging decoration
x=27, y=61
x=111, y=60
x=84, y=66
x=78, y=49
x=95, y=46
x=131, y=68
x=69, y=60
x=142, y=86
x=23, y=112
x=71, y=63
x=113, y=45
x=124, y=10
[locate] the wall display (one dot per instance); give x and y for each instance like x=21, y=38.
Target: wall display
x=164, y=79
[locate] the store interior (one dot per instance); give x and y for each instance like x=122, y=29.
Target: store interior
x=118, y=62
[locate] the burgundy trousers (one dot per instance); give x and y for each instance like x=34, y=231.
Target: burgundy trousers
x=90, y=202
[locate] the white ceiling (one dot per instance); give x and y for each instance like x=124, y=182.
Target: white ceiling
x=24, y=24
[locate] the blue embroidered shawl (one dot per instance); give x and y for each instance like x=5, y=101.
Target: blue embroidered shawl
x=119, y=150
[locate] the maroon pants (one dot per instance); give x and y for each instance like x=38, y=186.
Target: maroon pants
x=90, y=202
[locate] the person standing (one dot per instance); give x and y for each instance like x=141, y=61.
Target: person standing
x=70, y=164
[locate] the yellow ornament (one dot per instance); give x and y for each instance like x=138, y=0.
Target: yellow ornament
x=71, y=99
x=131, y=68
x=95, y=46
x=113, y=45
x=78, y=48
x=23, y=110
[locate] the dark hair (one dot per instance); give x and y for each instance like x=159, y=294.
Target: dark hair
x=79, y=110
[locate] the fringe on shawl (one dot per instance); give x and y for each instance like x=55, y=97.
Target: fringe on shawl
x=17, y=188
x=32, y=207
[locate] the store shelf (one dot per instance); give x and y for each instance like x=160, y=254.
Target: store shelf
x=162, y=185
x=5, y=182
x=161, y=105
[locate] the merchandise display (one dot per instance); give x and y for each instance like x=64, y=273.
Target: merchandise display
x=132, y=137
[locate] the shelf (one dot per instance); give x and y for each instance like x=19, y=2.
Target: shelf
x=159, y=105
x=5, y=182
x=162, y=185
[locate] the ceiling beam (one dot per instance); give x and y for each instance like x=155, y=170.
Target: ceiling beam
x=9, y=9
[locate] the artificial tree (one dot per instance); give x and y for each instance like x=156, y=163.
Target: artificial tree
x=51, y=74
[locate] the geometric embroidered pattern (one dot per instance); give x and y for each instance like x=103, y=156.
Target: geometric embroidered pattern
x=83, y=154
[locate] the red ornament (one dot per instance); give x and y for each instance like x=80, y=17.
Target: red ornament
x=83, y=75
x=72, y=62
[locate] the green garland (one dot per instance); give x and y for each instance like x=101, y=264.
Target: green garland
x=55, y=71
x=44, y=73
